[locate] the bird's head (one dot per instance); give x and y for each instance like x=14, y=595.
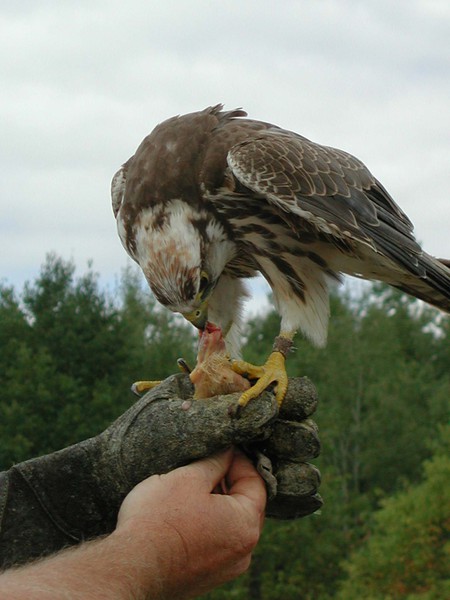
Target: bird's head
x=182, y=253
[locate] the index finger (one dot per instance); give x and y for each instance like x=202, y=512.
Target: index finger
x=245, y=481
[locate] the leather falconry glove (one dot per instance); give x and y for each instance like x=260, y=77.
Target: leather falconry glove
x=75, y=494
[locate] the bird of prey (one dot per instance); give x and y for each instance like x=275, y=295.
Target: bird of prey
x=211, y=198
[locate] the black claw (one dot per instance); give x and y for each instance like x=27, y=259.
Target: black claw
x=236, y=413
x=183, y=366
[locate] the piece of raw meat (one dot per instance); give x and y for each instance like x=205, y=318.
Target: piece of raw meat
x=213, y=374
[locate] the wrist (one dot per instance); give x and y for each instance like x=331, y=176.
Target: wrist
x=138, y=565
x=155, y=562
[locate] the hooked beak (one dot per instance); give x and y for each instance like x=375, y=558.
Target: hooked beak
x=199, y=316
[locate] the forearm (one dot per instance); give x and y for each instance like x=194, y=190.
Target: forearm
x=116, y=567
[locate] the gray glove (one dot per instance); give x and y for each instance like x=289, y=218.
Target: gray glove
x=75, y=494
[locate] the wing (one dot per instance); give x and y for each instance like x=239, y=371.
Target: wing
x=330, y=189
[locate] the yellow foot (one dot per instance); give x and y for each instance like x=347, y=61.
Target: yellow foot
x=139, y=387
x=273, y=371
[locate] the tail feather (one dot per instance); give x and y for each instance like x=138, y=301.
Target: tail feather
x=434, y=286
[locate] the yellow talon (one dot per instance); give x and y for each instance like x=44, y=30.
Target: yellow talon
x=139, y=387
x=272, y=371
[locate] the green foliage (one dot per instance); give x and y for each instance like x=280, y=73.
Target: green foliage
x=69, y=352
x=408, y=553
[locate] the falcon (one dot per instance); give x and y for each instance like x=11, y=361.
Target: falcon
x=212, y=198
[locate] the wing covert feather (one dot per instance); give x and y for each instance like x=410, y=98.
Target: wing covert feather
x=329, y=188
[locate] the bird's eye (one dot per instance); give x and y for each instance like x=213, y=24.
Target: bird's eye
x=204, y=284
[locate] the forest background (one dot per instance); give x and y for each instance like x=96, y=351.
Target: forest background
x=69, y=350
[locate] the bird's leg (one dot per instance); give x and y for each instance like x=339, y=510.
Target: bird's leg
x=139, y=387
x=273, y=371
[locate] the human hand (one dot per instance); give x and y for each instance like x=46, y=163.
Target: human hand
x=175, y=538
x=201, y=538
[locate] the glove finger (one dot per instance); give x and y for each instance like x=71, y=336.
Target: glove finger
x=293, y=507
x=293, y=441
x=297, y=479
x=297, y=485
x=300, y=401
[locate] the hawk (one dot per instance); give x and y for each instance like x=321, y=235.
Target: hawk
x=211, y=198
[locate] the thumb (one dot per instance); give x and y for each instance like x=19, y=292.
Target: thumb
x=208, y=472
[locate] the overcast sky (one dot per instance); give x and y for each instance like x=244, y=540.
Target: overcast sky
x=83, y=81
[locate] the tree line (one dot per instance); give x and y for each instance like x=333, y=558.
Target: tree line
x=69, y=350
